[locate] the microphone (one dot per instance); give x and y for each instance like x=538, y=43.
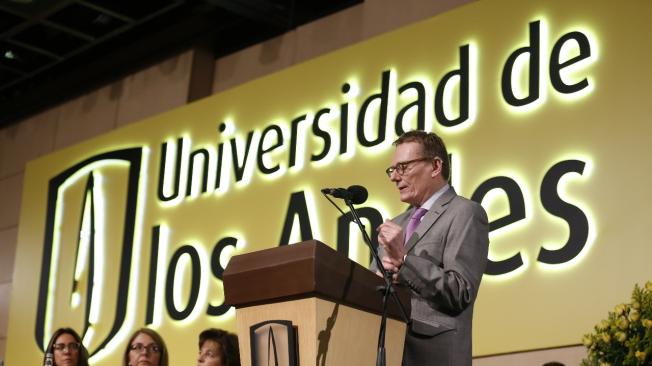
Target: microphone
x=49, y=360
x=356, y=194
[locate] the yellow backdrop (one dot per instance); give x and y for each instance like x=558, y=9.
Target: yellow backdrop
x=583, y=139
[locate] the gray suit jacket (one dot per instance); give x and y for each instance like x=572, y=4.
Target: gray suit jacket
x=447, y=255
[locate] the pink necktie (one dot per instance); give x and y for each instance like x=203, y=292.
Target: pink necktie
x=414, y=222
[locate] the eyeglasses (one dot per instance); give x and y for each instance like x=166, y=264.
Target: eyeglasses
x=400, y=168
x=61, y=347
x=150, y=348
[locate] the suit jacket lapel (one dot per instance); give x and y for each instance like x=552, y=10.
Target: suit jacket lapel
x=430, y=217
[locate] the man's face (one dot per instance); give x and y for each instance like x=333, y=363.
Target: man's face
x=418, y=181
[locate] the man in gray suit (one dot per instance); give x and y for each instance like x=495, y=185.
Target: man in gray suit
x=438, y=248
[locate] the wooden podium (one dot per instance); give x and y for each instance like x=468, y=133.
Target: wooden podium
x=332, y=303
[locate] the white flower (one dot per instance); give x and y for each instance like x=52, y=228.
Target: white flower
x=620, y=309
x=621, y=337
x=634, y=315
x=640, y=355
x=622, y=323
x=647, y=323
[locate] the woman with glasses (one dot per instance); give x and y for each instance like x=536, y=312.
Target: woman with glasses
x=145, y=348
x=65, y=349
x=218, y=348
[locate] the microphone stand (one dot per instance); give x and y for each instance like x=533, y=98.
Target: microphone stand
x=49, y=359
x=388, y=288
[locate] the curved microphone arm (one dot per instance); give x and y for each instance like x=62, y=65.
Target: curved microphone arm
x=386, y=275
x=388, y=289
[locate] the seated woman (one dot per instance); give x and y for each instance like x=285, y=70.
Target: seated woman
x=218, y=348
x=65, y=349
x=145, y=347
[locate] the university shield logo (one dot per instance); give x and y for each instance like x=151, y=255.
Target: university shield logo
x=273, y=343
x=88, y=247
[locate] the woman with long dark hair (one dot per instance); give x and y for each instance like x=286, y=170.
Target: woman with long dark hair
x=65, y=349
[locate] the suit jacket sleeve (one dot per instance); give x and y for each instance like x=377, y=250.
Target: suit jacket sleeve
x=446, y=265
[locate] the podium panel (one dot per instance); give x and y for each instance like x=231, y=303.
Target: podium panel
x=306, y=304
x=327, y=333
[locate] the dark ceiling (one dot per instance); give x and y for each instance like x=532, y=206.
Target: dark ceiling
x=54, y=50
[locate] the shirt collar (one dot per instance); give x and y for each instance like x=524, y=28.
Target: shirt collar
x=431, y=201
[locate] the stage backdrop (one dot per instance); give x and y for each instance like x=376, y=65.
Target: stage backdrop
x=544, y=105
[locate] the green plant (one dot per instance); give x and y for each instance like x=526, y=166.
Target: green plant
x=625, y=337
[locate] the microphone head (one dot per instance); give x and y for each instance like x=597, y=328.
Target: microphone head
x=358, y=194
x=49, y=359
